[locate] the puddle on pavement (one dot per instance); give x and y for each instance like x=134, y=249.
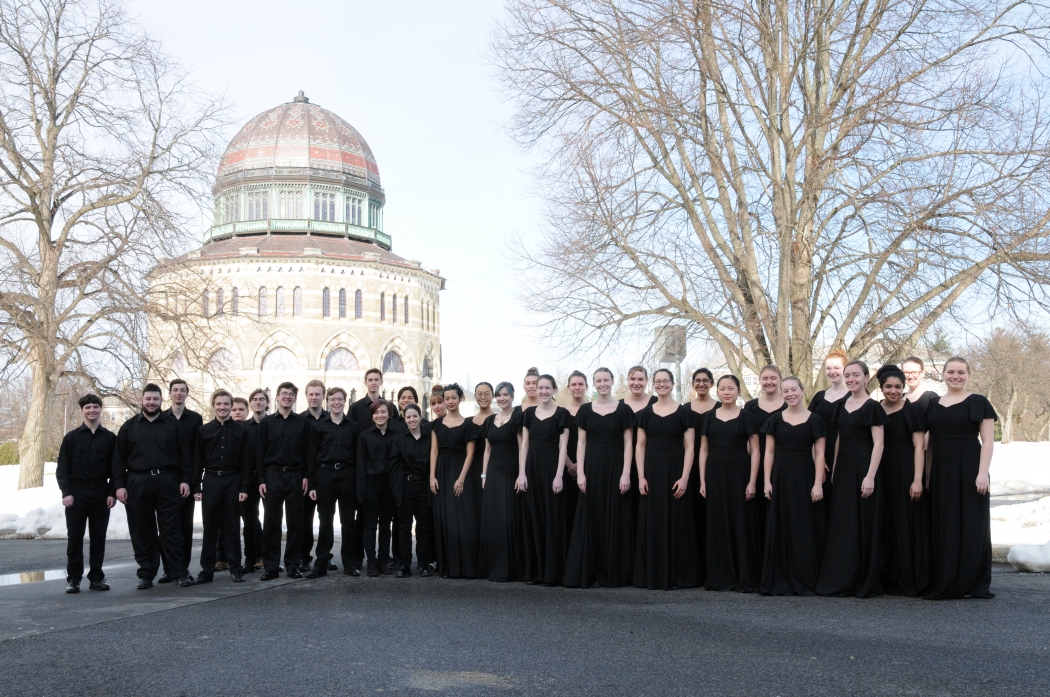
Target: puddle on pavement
x=32, y=577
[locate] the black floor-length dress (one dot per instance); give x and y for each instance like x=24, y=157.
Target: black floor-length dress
x=633, y=497
x=699, y=502
x=825, y=409
x=501, y=507
x=546, y=530
x=960, y=526
x=761, y=416
x=734, y=541
x=600, y=548
x=905, y=538
x=795, y=526
x=665, y=549
x=457, y=519
x=572, y=487
x=852, y=563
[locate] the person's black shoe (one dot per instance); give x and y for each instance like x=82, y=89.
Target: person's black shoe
x=165, y=578
x=304, y=567
x=203, y=578
x=186, y=581
x=281, y=569
x=332, y=566
x=373, y=569
x=144, y=583
x=295, y=573
x=248, y=568
x=73, y=587
x=316, y=572
x=404, y=573
x=433, y=566
x=351, y=571
x=269, y=575
x=99, y=585
x=385, y=569
x=237, y=576
x=425, y=572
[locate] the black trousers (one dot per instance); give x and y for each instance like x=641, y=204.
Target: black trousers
x=186, y=525
x=284, y=497
x=89, y=510
x=379, y=506
x=254, y=545
x=154, y=510
x=220, y=509
x=415, y=504
x=309, y=508
x=336, y=487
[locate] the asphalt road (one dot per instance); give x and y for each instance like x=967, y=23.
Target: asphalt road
x=339, y=636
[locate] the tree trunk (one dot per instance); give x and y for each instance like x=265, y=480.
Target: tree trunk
x=32, y=446
x=1008, y=422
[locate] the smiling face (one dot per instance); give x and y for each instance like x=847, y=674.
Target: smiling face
x=531, y=385
x=893, y=390
x=503, y=399
x=603, y=383
x=637, y=382
x=178, y=394
x=702, y=385
x=728, y=392
x=770, y=381
x=380, y=416
x=483, y=396
x=833, y=370
x=545, y=390
x=222, y=405
x=91, y=412
x=663, y=382
x=336, y=402
x=854, y=377
x=452, y=401
x=412, y=419
x=404, y=400
x=286, y=398
x=150, y=403
x=792, y=393
x=912, y=374
x=956, y=375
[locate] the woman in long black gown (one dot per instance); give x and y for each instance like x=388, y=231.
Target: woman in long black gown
x=457, y=500
x=960, y=527
x=702, y=405
x=823, y=405
x=852, y=563
x=729, y=454
x=905, y=537
x=577, y=398
x=600, y=548
x=541, y=471
x=768, y=402
x=636, y=400
x=666, y=550
x=795, y=525
x=501, y=531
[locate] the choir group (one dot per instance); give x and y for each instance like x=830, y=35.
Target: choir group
x=847, y=496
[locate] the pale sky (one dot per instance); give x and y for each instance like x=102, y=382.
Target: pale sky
x=413, y=78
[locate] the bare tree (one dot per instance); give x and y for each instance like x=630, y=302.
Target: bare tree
x=1012, y=368
x=783, y=177
x=104, y=147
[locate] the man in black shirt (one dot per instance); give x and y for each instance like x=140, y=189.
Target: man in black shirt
x=280, y=465
x=333, y=479
x=188, y=422
x=412, y=451
x=152, y=467
x=258, y=404
x=85, y=464
x=360, y=412
x=242, y=412
x=222, y=460
x=314, y=413
x=378, y=485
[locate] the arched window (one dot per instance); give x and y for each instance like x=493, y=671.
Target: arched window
x=359, y=309
x=382, y=306
x=291, y=204
x=297, y=302
x=280, y=301
x=235, y=301
x=324, y=207
x=426, y=368
x=393, y=308
x=220, y=300
x=204, y=303
x=280, y=358
x=263, y=305
x=326, y=303
x=221, y=360
x=392, y=363
x=342, y=303
x=406, y=312
x=341, y=359
x=258, y=205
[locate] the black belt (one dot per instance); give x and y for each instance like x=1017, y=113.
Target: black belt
x=222, y=473
x=155, y=472
x=414, y=477
x=285, y=468
x=335, y=467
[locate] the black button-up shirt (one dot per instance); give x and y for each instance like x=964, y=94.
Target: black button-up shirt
x=144, y=445
x=311, y=417
x=413, y=453
x=359, y=412
x=283, y=442
x=375, y=450
x=253, y=443
x=333, y=443
x=85, y=457
x=189, y=423
x=221, y=447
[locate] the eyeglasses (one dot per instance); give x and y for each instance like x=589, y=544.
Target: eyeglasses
x=663, y=382
x=702, y=381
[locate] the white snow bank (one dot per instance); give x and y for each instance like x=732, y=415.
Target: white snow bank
x=1032, y=558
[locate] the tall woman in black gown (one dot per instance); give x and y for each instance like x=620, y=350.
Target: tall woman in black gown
x=729, y=454
x=795, y=525
x=636, y=400
x=501, y=532
x=577, y=398
x=665, y=555
x=541, y=471
x=824, y=404
x=960, y=529
x=852, y=563
x=905, y=537
x=457, y=504
x=600, y=548
x=702, y=404
x=768, y=402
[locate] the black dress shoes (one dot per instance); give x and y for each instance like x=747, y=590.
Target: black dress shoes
x=425, y=572
x=385, y=569
x=203, y=578
x=316, y=572
x=269, y=575
x=166, y=578
x=73, y=587
x=295, y=573
x=186, y=581
x=373, y=569
x=237, y=576
x=99, y=585
x=404, y=572
x=351, y=571
x=144, y=583
x=332, y=566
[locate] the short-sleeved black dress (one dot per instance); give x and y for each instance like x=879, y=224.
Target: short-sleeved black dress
x=795, y=525
x=960, y=526
x=852, y=563
x=501, y=507
x=905, y=538
x=734, y=543
x=600, y=548
x=665, y=549
x=546, y=530
x=457, y=519
x=761, y=416
x=633, y=497
x=825, y=409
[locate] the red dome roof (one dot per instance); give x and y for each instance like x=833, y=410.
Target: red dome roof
x=299, y=135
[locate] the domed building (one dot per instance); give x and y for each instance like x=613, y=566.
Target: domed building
x=297, y=278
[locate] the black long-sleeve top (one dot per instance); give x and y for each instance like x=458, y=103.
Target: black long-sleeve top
x=253, y=443
x=283, y=442
x=221, y=447
x=413, y=453
x=311, y=417
x=189, y=423
x=375, y=456
x=85, y=457
x=332, y=443
x=144, y=445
